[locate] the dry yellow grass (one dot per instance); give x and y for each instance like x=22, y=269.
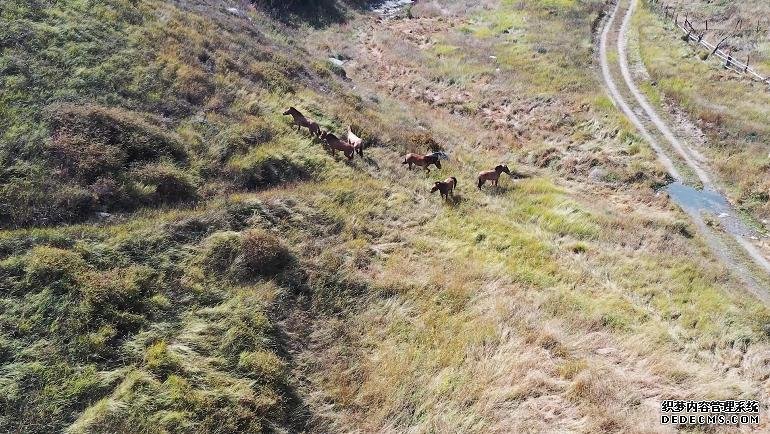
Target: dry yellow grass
x=564, y=302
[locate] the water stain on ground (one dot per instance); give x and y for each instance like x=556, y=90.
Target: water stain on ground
x=390, y=8
x=711, y=202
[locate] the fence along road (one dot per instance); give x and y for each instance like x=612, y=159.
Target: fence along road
x=731, y=62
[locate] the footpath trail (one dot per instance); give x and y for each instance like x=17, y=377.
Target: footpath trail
x=731, y=240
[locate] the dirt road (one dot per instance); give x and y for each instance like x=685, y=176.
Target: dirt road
x=733, y=245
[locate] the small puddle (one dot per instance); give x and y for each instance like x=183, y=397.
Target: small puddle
x=390, y=8
x=693, y=200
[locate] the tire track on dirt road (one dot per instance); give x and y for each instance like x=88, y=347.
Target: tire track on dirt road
x=738, y=253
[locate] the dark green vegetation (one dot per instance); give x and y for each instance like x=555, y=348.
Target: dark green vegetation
x=87, y=323
x=117, y=106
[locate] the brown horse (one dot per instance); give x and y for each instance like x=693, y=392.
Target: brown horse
x=301, y=121
x=422, y=160
x=445, y=187
x=337, y=144
x=493, y=175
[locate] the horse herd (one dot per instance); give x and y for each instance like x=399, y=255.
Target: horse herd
x=354, y=145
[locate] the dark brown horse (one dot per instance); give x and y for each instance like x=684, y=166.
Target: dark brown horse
x=301, y=121
x=337, y=144
x=493, y=175
x=445, y=187
x=422, y=160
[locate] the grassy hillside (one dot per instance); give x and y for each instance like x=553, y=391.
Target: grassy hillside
x=241, y=279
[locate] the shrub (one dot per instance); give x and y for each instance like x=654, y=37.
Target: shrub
x=96, y=343
x=83, y=158
x=261, y=365
x=119, y=289
x=263, y=253
x=261, y=170
x=166, y=183
x=58, y=268
x=160, y=360
x=179, y=391
x=36, y=197
x=712, y=117
x=248, y=329
x=115, y=127
x=109, y=193
x=239, y=139
x=70, y=203
x=422, y=142
x=220, y=251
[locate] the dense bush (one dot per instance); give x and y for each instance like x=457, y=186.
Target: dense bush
x=98, y=158
x=57, y=268
x=240, y=138
x=423, y=142
x=160, y=360
x=220, y=251
x=263, y=253
x=263, y=366
x=106, y=108
x=261, y=170
x=128, y=134
x=167, y=183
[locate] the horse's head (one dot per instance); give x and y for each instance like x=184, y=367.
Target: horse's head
x=503, y=169
x=436, y=187
x=290, y=110
x=328, y=137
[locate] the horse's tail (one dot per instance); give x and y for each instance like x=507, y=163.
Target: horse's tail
x=455, y=181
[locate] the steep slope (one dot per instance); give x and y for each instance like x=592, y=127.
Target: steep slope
x=245, y=280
